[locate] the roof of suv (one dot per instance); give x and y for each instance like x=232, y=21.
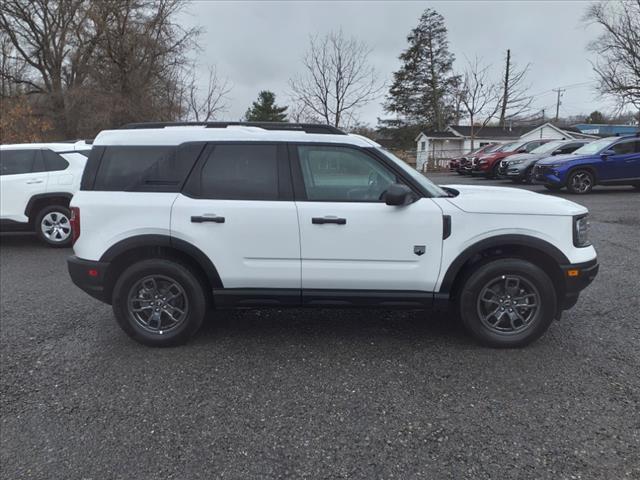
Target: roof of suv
x=55, y=146
x=175, y=134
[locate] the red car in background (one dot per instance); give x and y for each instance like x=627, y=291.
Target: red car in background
x=487, y=165
x=456, y=163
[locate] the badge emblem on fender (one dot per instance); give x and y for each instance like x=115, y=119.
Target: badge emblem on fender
x=419, y=249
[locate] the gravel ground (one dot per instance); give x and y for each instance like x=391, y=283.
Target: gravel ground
x=321, y=394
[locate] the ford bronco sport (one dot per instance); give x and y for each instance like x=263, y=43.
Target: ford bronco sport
x=172, y=221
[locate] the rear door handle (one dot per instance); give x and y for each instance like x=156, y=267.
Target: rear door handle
x=31, y=182
x=323, y=220
x=207, y=218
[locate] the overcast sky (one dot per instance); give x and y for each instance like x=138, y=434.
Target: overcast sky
x=259, y=45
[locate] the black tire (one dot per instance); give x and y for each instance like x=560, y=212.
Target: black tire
x=52, y=226
x=528, y=176
x=493, y=173
x=553, y=188
x=194, y=304
x=580, y=181
x=529, y=277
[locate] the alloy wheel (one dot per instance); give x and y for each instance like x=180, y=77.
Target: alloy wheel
x=508, y=304
x=158, y=304
x=581, y=182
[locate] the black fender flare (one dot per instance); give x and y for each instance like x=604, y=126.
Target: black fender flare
x=155, y=240
x=499, y=241
x=40, y=196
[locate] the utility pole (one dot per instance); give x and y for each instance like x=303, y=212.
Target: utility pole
x=505, y=89
x=559, y=92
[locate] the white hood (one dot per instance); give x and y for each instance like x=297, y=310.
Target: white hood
x=504, y=200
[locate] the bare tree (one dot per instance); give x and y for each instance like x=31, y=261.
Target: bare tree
x=618, y=47
x=205, y=106
x=479, y=96
x=337, y=79
x=56, y=40
x=300, y=113
x=515, y=99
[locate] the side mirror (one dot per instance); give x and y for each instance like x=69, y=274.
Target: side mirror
x=556, y=152
x=398, y=194
x=607, y=153
x=522, y=150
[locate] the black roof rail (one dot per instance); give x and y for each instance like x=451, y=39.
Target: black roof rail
x=296, y=127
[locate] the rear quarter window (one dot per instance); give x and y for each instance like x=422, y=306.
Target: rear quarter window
x=141, y=168
x=54, y=162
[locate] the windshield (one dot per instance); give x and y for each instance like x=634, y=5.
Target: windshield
x=548, y=147
x=595, y=147
x=501, y=148
x=433, y=189
x=511, y=147
x=493, y=148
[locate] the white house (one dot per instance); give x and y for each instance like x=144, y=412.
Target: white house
x=440, y=147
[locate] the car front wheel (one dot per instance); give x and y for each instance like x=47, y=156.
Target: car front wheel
x=159, y=302
x=507, y=303
x=53, y=227
x=580, y=181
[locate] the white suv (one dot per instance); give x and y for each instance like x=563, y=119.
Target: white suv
x=173, y=220
x=37, y=182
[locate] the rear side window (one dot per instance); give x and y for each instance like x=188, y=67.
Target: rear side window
x=54, y=162
x=238, y=172
x=15, y=162
x=143, y=168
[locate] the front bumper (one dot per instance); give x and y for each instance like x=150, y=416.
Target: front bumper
x=576, y=277
x=547, y=175
x=89, y=276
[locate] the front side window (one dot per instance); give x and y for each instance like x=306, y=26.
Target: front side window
x=624, y=147
x=15, y=162
x=240, y=172
x=341, y=174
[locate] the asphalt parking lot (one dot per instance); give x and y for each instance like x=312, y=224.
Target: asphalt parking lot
x=321, y=394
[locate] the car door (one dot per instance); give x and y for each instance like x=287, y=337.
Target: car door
x=237, y=207
x=623, y=162
x=22, y=176
x=350, y=239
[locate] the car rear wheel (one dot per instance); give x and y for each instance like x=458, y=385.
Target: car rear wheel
x=507, y=303
x=159, y=303
x=53, y=227
x=580, y=181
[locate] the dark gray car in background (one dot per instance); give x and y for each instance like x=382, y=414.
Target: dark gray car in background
x=519, y=168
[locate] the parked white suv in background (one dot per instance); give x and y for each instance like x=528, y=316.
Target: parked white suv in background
x=173, y=220
x=37, y=182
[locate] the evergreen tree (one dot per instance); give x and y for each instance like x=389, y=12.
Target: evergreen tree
x=266, y=110
x=595, y=117
x=423, y=88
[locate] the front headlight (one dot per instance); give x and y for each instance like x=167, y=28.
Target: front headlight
x=581, y=231
x=514, y=162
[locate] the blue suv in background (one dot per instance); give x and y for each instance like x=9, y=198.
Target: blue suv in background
x=609, y=161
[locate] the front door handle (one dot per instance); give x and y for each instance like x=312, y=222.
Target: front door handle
x=207, y=218
x=31, y=182
x=323, y=220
